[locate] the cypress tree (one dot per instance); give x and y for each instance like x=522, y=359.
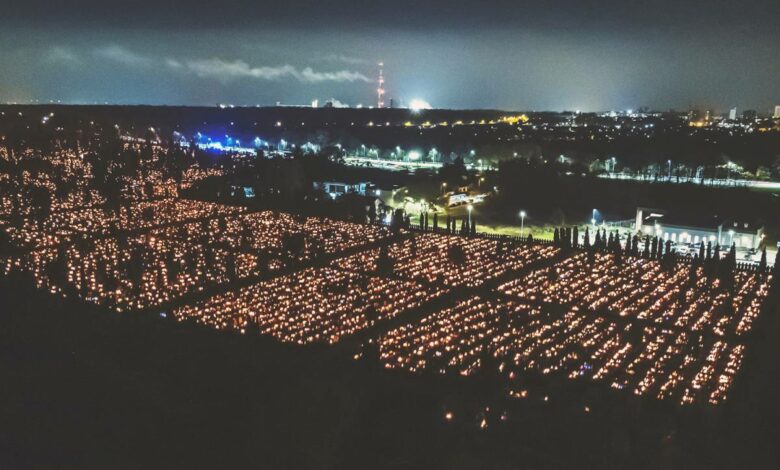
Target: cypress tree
x=762, y=263
x=556, y=238
x=715, y=262
x=654, y=248
x=576, y=236
x=597, y=241
x=732, y=263
x=727, y=267
x=646, y=251
x=586, y=242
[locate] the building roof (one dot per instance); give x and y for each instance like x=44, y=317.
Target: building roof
x=698, y=221
x=675, y=220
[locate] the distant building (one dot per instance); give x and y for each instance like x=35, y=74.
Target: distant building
x=777, y=112
x=694, y=230
x=733, y=114
x=750, y=115
x=336, y=189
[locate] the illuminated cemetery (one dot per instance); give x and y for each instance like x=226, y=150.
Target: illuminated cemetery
x=429, y=302
x=450, y=260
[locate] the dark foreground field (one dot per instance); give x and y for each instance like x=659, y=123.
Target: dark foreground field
x=83, y=388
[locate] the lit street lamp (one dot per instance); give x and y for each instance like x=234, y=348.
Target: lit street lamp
x=522, y=222
x=470, y=208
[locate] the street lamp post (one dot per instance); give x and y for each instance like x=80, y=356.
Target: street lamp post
x=522, y=222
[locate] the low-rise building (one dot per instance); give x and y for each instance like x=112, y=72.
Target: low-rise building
x=746, y=235
x=338, y=188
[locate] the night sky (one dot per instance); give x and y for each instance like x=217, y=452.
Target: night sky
x=520, y=55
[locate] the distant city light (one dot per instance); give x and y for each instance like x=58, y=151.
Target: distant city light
x=418, y=104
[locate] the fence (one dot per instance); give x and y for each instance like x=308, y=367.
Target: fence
x=678, y=258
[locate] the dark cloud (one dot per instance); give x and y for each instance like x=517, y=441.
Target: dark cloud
x=492, y=53
x=719, y=15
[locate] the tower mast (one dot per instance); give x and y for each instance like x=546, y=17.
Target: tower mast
x=380, y=91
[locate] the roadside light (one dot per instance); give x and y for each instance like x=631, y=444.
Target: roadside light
x=522, y=222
